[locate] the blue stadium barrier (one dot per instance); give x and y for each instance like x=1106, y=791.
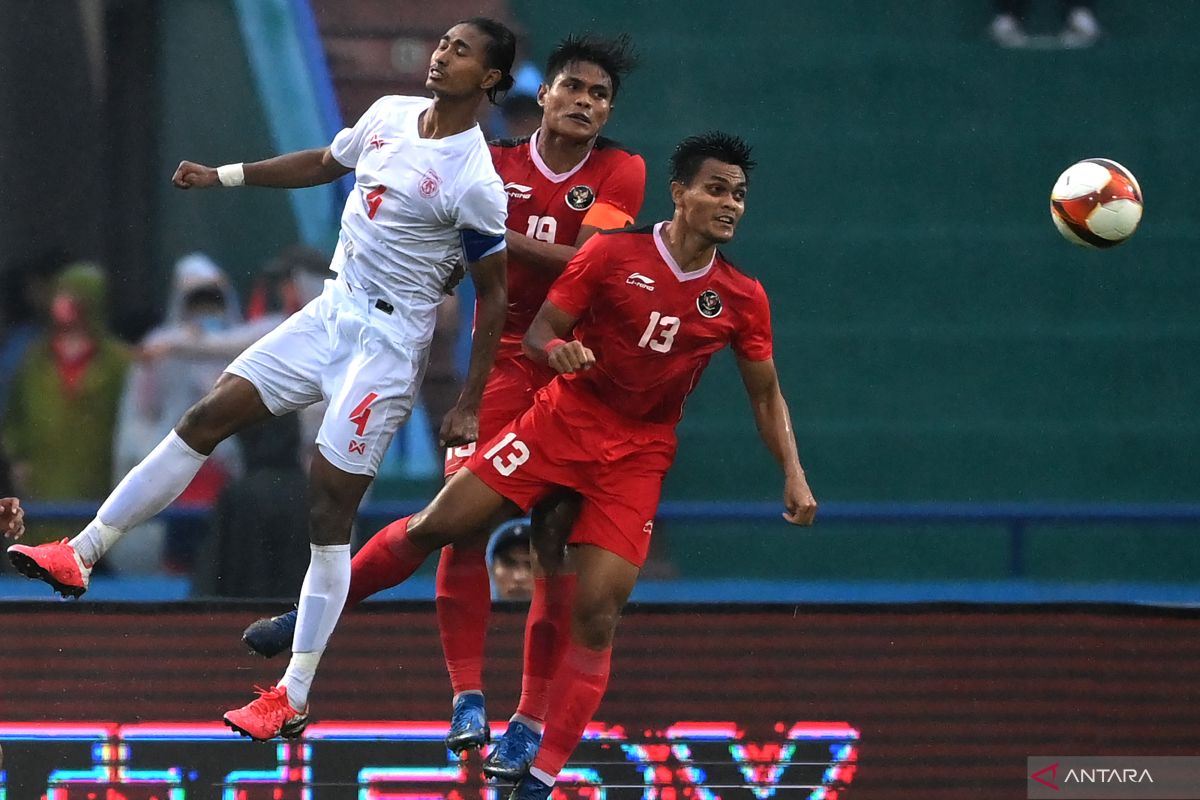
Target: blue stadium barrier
x=1015, y=517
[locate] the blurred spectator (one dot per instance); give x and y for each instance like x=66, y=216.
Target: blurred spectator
x=25, y=310
x=7, y=490
x=1079, y=28
x=522, y=115
x=251, y=549
x=159, y=390
x=527, y=80
x=63, y=402
x=284, y=286
x=509, y=561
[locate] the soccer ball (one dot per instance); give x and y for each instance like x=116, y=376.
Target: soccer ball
x=1096, y=203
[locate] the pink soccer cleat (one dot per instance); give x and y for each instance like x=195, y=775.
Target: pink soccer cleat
x=56, y=563
x=268, y=716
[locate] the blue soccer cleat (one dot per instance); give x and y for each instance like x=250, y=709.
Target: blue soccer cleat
x=512, y=757
x=530, y=788
x=468, y=725
x=271, y=636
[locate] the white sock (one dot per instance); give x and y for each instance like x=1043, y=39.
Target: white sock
x=94, y=541
x=146, y=490
x=532, y=724
x=321, y=600
x=542, y=775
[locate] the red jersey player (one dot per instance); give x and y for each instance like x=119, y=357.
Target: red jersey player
x=564, y=183
x=645, y=311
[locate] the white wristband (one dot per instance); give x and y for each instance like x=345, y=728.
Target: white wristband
x=231, y=175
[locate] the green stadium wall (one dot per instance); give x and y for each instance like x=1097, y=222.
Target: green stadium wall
x=937, y=339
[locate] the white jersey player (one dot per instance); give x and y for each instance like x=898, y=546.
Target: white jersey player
x=426, y=203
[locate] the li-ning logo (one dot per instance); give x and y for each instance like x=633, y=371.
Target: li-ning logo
x=517, y=190
x=641, y=281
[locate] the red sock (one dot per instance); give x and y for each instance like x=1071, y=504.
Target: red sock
x=464, y=605
x=547, y=631
x=575, y=695
x=387, y=559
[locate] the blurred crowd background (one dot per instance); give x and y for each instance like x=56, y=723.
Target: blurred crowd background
x=938, y=342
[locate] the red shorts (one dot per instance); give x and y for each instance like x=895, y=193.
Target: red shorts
x=569, y=439
x=511, y=385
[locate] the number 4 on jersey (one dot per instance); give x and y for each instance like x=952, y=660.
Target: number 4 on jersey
x=374, y=200
x=362, y=413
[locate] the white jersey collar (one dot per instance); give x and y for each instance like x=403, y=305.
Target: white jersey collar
x=670, y=259
x=549, y=174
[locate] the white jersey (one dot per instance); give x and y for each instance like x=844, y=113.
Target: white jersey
x=400, y=237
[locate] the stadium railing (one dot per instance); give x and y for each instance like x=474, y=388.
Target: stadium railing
x=1016, y=518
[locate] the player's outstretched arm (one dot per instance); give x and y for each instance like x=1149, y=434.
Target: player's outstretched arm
x=551, y=259
x=489, y=274
x=12, y=517
x=545, y=257
x=775, y=427
x=288, y=171
x=546, y=341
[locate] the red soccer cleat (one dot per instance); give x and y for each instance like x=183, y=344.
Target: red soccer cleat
x=268, y=716
x=56, y=563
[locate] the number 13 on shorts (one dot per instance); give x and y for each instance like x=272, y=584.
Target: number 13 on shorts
x=508, y=454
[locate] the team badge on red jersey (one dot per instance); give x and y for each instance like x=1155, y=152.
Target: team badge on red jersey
x=430, y=183
x=581, y=197
x=709, y=303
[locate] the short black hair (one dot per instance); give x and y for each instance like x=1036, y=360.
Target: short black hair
x=615, y=56
x=724, y=147
x=501, y=51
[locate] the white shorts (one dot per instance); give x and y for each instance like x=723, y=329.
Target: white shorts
x=342, y=348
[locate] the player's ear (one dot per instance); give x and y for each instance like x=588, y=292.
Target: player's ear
x=490, y=79
x=677, y=190
x=541, y=95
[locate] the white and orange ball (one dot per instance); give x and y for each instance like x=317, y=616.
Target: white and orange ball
x=1096, y=203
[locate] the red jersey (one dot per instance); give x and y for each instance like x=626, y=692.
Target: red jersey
x=604, y=191
x=652, y=326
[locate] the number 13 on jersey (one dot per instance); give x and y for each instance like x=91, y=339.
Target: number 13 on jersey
x=506, y=463
x=660, y=333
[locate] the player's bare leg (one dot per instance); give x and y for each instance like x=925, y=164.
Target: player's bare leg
x=603, y=584
x=334, y=498
x=546, y=630
x=231, y=405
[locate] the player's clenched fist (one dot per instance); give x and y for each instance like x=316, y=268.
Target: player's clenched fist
x=194, y=176
x=799, y=501
x=459, y=426
x=12, y=517
x=571, y=356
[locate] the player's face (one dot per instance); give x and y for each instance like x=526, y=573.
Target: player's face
x=513, y=574
x=713, y=203
x=458, y=67
x=577, y=103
